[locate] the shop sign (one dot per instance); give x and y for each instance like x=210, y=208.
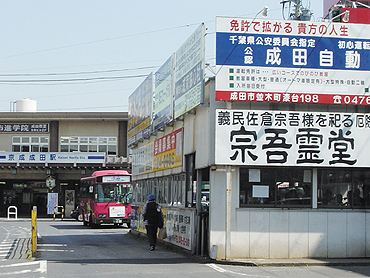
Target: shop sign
x=142, y=160
x=180, y=226
x=168, y=151
x=292, y=138
x=48, y=157
x=24, y=128
x=267, y=60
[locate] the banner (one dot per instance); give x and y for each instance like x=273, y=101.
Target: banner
x=292, y=61
x=292, y=138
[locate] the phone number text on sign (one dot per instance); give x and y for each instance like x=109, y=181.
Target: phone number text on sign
x=292, y=97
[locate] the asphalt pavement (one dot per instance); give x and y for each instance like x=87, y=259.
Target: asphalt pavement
x=22, y=246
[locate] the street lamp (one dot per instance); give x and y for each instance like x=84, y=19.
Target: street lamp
x=263, y=12
x=345, y=17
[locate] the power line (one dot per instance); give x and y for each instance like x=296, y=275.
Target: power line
x=75, y=73
x=72, y=79
x=98, y=41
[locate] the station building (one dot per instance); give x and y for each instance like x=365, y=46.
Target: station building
x=268, y=159
x=49, y=152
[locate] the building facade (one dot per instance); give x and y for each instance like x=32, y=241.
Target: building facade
x=49, y=152
x=275, y=153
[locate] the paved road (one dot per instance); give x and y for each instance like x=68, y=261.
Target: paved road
x=69, y=249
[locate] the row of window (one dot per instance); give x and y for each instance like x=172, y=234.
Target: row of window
x=67, y=144
x=289, y=187
x=169, y=191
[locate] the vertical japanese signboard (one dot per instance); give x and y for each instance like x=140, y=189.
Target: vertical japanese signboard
x=52, y=202
x=180, y=226
x=292, y=61
x=140, y=111
x=292, y=138
x=162, y=101
x=189, y=70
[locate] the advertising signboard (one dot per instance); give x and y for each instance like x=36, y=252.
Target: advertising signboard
x=168, y=151
x=162, y=100
x=292, y=61
x=180, y=226
x=140, y=111
x=189, y=71
x=142, y=159
x=24, y=128
x=292, y=138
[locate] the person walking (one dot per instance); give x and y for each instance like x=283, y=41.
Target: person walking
x=153, y=219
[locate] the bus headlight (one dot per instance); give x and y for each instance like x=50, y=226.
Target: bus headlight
x=102, y=216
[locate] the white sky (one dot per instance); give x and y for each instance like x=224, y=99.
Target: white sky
x=53, y=51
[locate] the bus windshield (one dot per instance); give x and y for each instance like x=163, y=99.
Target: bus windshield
x=112, y=192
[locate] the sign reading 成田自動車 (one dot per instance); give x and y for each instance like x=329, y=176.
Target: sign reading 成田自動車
x=292, y=61
x=292, y=138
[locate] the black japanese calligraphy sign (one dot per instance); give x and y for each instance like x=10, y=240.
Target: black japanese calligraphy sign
x=288, y=138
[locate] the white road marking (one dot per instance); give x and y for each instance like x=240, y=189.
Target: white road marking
x=42, y=269
x=222, y=270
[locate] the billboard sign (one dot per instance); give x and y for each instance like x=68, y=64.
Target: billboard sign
x=140, y=111
x=142, y=159
x=168, y=151
x=189, y=71
x=292, y=61
x=292, y=138
x=162, y=100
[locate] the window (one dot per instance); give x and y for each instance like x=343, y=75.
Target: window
x=339, y=188
x=89, y=144
x=30, y=144
x=275, y=187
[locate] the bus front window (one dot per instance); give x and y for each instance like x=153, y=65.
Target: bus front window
x=109, y=192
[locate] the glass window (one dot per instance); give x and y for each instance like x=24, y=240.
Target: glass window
x=44, y=148
x=27, y=144
x=25, y=148
x=64, y=148
x=102, y=148
x=93, y=148
x=284, y=187
x=35, y=148
x=112, y=140
x=16, y=148
x=64, y=140
x=112, y=150
x=89, y=144
x=343, y=188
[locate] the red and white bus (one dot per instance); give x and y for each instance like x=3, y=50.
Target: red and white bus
x=105, y=198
